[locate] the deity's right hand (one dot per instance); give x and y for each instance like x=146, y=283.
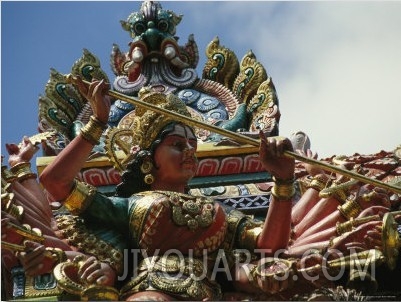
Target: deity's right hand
x=374, y=210
x=365, y=236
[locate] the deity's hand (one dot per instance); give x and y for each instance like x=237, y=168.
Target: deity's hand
x=311, y=169
x=96, y=94
x=8, y=234
x=36, y=260
x=365, y=236
x=310, y=260
x=273, y=159
x=94, y=271
x=274, y=276
x=22, y=153
x=372, y=196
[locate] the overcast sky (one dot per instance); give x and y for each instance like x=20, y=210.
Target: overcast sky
x=336, y=65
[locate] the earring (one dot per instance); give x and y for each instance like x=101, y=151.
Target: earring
x=146, y=167
x=149, y=179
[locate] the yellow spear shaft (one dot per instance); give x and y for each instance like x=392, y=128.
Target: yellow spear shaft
x=240, y=138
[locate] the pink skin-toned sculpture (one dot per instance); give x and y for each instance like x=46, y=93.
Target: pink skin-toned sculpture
x=35, y=259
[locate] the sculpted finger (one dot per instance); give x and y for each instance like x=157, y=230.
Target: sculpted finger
x=354, y=244
x=26, y=140
x=282, y=145
x=271, y=146
x=98, y=87
x=82, y=87
x=262, y=136
x=32, y=245
x=87, y=263
x=12, y=149
x=93, y=267
x=93, y=277
x=102, y=280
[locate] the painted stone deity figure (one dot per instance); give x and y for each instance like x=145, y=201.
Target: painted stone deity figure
x=164, y=153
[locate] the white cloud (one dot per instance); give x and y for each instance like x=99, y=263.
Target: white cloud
x=336, y=66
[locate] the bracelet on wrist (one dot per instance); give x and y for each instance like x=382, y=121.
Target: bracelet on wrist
x=93, y=130
x=58, y=255
x=283, y=189
x=8, y=206
x=319, y=182
x=7, y=175
x=280, y=181
x=344, y=227
x=81, y=196
x=22, y=171
x=350, y=209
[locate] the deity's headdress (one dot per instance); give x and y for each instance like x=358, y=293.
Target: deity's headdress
x=145, y=126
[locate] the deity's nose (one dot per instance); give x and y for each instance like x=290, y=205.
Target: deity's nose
x=189, y=148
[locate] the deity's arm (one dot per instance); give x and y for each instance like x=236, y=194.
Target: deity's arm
x=85, y=201
x=58, y=177
x=102, y=225
x=275, y=233
x=24, y=182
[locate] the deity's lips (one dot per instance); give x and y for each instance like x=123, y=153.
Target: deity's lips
x=190, y=161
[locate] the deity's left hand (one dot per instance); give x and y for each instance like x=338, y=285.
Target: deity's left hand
x=96, y=94
x=271, y=154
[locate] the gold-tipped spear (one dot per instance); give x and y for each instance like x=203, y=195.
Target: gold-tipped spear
x=240, y=138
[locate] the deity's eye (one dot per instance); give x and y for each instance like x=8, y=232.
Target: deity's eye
x=162, y=25
x=179, y=145
x=139, y=28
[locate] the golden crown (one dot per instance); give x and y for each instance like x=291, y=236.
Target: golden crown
x=147, y=124
x=143, y=127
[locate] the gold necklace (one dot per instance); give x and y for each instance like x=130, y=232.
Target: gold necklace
x=193, y=211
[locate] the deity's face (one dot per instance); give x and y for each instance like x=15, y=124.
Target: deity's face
x=175, y=157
